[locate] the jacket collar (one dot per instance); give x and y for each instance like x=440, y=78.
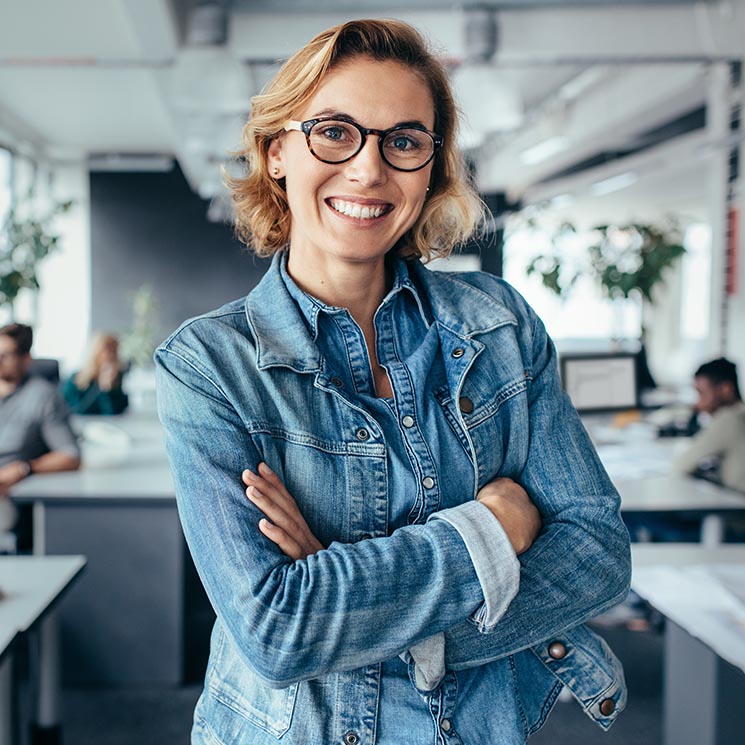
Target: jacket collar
x=284, y=338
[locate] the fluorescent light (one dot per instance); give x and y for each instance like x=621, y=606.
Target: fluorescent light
x=614, y=183
x=544, y=150
x=561, y=200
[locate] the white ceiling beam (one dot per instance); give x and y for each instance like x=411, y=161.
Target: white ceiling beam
x=544, y=35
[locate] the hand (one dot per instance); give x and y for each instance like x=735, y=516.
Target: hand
x=287, y=528
x=11, y=474
x=511, y=505
x=107, y=376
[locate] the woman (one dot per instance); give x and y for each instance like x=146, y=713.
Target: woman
x=329, y=433
x=97, y=388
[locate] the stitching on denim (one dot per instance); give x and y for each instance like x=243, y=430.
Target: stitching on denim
x=489, y=409
x=548, y=705
x=193, y=365
x=518, y=697
x=374, y=450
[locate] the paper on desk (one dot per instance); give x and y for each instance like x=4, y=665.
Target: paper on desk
x=707, y=601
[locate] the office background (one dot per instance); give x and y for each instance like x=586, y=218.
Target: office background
x=591, y=112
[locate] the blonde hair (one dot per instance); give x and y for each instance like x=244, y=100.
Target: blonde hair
x=92, y=367
x=452, y=209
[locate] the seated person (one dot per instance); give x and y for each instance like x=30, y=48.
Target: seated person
x=35, y=434
x=97, y=388
x=723, y=440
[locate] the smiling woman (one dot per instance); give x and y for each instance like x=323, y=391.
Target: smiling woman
x=392, y=505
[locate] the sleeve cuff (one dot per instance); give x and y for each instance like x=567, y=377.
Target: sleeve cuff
x=493, y=558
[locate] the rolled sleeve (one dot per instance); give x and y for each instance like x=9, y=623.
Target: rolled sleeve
x=495, y=561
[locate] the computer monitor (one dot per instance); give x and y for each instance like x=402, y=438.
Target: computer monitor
x=600, y=382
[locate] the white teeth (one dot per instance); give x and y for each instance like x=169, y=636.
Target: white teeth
x=352, y=209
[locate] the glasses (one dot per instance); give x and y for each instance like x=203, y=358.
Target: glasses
x=405, y=147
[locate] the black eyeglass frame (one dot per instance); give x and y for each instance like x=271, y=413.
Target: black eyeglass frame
x=306, y=126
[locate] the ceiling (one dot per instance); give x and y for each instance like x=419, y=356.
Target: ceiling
x=595, y=83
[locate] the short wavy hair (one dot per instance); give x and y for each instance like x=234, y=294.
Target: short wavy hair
x=452, y=210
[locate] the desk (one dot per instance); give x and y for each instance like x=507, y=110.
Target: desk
x=639, y=464
x=704, y=638
x=124, y=623
x=32, y=585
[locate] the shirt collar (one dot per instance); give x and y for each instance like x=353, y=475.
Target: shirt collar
x=311, y=307
x=284, y=334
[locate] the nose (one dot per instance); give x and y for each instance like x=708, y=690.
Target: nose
x=368, y=167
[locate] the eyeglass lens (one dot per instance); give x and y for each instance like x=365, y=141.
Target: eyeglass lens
x=335, y=141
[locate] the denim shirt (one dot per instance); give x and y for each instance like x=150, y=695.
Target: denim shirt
x=297, y=648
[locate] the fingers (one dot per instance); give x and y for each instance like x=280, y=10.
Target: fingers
x=289, y=546
x=286, y=525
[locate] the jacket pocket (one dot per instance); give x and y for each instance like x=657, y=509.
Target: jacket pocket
x=233, y=684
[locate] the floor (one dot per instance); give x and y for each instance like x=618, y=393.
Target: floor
x=163, y=716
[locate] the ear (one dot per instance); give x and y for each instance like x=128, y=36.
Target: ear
x=275, y=159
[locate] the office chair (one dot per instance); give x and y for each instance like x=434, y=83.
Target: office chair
x=45, y=368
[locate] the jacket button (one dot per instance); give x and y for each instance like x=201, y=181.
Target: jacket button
x=408, y=421
x=351, y=738
x=428, y=482
x=338, y=382
x=458, y=352
x=557, y=650
x=466, y=405
x=362, y=434
x=607, y=707
x=446, y=725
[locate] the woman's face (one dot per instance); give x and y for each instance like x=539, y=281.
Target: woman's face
x=376, y=95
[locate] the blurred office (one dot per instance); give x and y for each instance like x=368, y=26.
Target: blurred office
x=606, y=141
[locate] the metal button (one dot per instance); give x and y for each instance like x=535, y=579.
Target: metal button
x=428, y=482
x=351, y=738
x=466, y=405
x=446, y=725
x=362, y=434
x=408, y=421
x=338, y=382
x=557, y=650
x=607, y=707
x=365, y=537
x=458, y=352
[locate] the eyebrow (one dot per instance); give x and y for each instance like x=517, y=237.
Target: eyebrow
x=336, y=114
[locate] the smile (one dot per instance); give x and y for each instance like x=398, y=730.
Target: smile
x=360, y=211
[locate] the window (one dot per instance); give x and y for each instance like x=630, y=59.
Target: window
x=586, y=312
x=6, y=167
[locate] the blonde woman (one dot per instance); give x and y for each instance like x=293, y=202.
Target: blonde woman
x=97, y=387
x=393, y=507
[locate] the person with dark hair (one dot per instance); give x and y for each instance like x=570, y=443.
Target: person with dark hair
x=721, y=444
x=393, y=506
x=35, y=434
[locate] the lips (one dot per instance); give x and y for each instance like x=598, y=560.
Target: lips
x=359, y=210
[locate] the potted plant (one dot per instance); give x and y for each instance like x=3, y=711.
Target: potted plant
x=628, y=262
x=26, y=238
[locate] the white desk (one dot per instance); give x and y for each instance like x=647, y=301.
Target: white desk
x=125, y=623
x=31, y=587
x=704, y=638
x=638, y=462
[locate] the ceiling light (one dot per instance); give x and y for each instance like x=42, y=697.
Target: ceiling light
x=614, y=183
x=544, y=150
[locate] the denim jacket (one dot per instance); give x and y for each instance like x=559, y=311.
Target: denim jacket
x=297, y=646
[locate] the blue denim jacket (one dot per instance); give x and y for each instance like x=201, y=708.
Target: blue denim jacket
x=297, y=646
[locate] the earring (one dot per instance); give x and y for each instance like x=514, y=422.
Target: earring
x=275, y=171
x=428, y=188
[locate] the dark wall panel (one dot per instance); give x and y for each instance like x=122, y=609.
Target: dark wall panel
x=150, y=228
